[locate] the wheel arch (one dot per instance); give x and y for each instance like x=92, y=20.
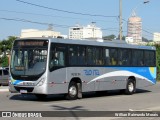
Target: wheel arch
x=76, y=80
x=132, y=78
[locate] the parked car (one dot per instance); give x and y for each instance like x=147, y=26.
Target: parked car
x=4, y=76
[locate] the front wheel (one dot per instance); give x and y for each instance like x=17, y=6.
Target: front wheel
x=130, y=87
x=72, y=91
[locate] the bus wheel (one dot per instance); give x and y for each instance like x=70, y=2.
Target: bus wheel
x=130, y=87
x=72, y=91
x=41, y=96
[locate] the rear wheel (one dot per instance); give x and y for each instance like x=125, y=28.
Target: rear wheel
x=130, y=87
x=72, y=91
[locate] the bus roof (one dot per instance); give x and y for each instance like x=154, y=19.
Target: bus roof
x=93, y=42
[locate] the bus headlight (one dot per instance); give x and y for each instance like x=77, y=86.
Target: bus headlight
x=40, y=83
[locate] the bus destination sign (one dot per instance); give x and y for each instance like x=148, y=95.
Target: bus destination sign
x=31, y=43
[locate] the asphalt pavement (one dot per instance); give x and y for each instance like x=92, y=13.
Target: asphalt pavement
x=146, y=99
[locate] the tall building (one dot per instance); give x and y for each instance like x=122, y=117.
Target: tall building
x=156, y=37
x=81, y=32
x=135, y=28
x=39, y=33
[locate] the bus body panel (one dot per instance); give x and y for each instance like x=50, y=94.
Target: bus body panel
x=93, y=77
x=57, y=81
x=100, y=78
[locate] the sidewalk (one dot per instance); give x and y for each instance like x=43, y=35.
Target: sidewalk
x=4, y=89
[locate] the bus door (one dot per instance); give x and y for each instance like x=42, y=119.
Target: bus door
x=57, y=64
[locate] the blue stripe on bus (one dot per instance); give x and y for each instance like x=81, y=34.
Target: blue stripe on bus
x=148, y=72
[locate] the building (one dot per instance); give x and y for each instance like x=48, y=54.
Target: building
x=39, y=33
x=135, y=28
x=156, y=37
x=129, y=39
x=88, y=32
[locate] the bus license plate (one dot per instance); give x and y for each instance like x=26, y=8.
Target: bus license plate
x=23, y=91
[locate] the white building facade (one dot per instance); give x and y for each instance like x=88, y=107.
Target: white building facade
x=156, y=37
x=39, y=33
x=135, y=29
x=88, y=32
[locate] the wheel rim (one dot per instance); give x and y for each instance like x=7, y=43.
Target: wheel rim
x=72, y=91
x=130, y=87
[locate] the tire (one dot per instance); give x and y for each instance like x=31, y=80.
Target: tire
x=41, y=96
x=130, y=87
x=72, y=91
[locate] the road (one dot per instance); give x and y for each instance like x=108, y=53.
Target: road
x=146, y=99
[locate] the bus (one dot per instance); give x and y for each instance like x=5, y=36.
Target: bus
x=45, y=66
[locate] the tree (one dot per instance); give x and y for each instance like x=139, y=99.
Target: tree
x=5, y=45
x=145, y=39
x=5, y=61
x=109, y=37
x=158, y=60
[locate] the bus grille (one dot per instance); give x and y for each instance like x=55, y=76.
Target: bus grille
x=29, y=89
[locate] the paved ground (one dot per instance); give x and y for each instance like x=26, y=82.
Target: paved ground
x=147, y=99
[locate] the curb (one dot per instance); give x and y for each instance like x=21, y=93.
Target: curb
x=4, y=89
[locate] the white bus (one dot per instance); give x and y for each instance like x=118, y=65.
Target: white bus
x=44, y=66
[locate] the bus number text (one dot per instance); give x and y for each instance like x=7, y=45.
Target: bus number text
x=91, y=72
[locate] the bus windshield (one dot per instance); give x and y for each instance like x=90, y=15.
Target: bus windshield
x=28, y=59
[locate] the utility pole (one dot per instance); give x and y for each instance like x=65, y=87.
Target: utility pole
x=120, y=19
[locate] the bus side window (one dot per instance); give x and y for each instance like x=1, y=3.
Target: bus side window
x=57, y=56
x=149, y=57
x=81, y=55
x=124, y=57
x=137, y=58
x=99, y=56
x=113, y=56
x=72, y=55
x=54, y=60
x=61, y=58
x=107, y=58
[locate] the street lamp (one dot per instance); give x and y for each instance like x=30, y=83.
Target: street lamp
x=120, y=16
x=120, y=19
x=146, y=1
x=140, y=3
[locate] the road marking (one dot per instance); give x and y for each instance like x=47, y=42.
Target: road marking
x=147, y=109
x=131, y=110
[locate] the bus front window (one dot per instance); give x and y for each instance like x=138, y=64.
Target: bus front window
x=29, y=58
x=28, y=62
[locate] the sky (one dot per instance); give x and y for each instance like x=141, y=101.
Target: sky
x=16, y=15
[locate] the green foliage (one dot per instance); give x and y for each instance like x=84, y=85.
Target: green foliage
x=6, y=45
x=109, y=37
x=158, y=60
x=5, y=61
